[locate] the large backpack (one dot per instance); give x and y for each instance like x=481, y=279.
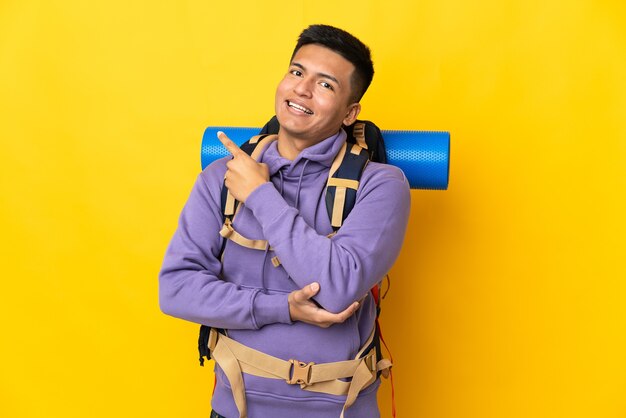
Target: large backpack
x=364, y=143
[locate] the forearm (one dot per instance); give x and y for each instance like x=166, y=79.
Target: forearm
x=202, y=297
x=190, y=282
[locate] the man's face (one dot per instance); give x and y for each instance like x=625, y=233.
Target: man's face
x=313, y=99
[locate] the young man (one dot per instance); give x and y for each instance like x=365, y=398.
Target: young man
x=314, y=305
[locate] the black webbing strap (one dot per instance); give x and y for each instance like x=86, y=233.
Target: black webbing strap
x=203, y=344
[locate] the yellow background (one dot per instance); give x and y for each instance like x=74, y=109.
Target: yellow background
x=508, y=299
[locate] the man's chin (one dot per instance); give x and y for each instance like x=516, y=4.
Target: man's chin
x=293, y=127
x=293, y=133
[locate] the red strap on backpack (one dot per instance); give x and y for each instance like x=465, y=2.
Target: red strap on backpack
x=393, y=394
x=376, y=294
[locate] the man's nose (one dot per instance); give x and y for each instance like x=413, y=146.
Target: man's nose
x=303, y=87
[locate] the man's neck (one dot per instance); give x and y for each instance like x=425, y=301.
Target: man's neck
x=290, y=147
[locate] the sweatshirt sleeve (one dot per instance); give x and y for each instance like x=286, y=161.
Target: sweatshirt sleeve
x=190, y=285
x=347, y=265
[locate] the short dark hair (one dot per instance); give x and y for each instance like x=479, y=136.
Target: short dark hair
x=346, y=45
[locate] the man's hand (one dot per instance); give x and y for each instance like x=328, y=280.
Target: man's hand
x=301, y=308
x=244, y=174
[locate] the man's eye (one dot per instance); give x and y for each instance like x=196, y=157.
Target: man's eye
x=326, y=85
x=297, y=73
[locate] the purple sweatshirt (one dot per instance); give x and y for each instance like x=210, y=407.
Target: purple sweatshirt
x=247, y=295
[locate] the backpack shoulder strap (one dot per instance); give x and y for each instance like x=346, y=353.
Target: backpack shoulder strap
x=368, y=136
x=271, y=127
x=253, y=148
x=230, y=206
x=343, y=182
x=364, y=143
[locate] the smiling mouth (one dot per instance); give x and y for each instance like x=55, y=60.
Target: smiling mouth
x=299, y=108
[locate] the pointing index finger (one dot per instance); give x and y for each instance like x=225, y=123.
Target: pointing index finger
x=229, y=144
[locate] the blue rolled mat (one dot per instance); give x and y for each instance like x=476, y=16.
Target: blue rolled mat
x=423, y=156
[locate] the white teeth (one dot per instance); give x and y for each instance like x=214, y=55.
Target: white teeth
x=300, y=108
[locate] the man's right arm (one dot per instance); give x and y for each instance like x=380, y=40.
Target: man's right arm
x=190, y=286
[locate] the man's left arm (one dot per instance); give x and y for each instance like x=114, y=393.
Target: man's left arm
x=347, y=265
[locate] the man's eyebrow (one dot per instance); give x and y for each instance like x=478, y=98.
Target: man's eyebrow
x=328, y=76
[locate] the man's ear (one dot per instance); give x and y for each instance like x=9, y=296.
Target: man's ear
x=353, y=112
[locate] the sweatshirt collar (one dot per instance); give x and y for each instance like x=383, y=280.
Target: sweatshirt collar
x=322, y=154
